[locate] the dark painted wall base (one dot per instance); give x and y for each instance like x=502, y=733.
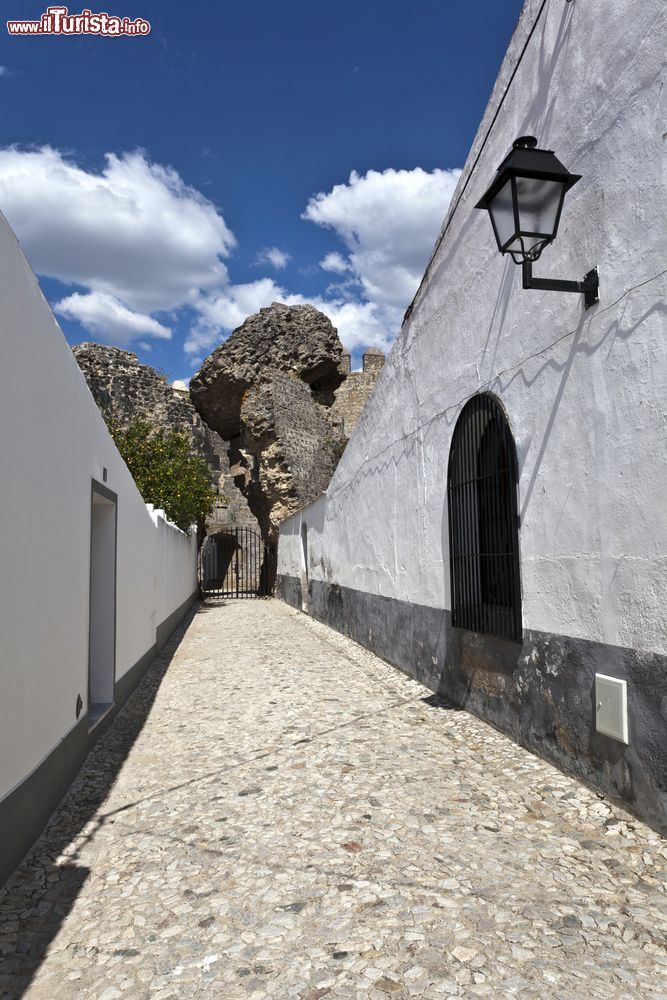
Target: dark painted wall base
x=25, y=812
x=540, y=692
x=165, y=628
x=289, y=589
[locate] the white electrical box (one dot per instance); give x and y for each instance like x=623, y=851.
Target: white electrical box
x=611, y=707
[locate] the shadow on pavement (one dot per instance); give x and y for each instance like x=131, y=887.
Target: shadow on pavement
x=38, y=896
x=437, y=701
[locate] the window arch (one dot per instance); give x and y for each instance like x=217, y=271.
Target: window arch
x=483, y=522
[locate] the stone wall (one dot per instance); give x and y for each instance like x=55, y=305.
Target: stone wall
x=294, y=425
x=125, y=389
x=269, y=391
x=355, y=391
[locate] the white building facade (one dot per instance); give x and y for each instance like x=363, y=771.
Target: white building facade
x=92, y=582
x=581, y=394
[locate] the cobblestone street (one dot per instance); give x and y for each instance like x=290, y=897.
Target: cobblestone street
x=279, y=814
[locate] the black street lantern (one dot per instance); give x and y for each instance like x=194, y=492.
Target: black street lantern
x=526, y=199
x=524, y=202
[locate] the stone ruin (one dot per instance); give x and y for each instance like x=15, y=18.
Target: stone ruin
x=123, y=388
x=356, y=389
x=270, y=410
x=269, y=391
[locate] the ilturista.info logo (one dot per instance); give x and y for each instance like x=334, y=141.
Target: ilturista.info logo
x=59, y=21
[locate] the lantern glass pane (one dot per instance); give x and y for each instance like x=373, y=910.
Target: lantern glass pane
x=538, y=201
x=501, y=210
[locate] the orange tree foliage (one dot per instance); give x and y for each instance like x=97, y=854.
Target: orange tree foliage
x=166, y=471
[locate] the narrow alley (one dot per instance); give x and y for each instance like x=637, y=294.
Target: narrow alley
x=277, y=813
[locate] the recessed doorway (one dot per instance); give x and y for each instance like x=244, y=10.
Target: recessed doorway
x=102, y=635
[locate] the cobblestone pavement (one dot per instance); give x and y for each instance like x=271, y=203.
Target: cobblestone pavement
x=296, y=819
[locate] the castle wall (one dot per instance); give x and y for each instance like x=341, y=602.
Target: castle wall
x=126, y=389
x=352, y=396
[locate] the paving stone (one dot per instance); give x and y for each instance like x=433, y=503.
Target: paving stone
x=279, y=814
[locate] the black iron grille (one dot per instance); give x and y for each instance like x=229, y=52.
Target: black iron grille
x=483, y=522
x=235, y=563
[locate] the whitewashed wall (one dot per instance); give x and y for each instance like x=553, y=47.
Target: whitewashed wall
x=291, y=556
x=53, y=442
x=175, y=567
x=588, y=412
x=585, y=396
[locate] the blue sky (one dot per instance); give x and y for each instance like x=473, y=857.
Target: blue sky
x=165, y=187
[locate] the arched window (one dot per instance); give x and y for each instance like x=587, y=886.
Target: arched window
x=484, y=522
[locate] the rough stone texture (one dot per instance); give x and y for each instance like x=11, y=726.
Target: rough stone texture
x=297, y=340
x=281, y=371
x=373, y=361
x=317, y=824
x=287, y=452
x=268, y=390
x=354, y=393
x=125, y=388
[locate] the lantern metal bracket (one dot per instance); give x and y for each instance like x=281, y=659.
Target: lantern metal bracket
x=590, y=286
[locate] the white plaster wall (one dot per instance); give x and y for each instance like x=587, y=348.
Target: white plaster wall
x=176, y=567
x=53, y=442
x=290, y=548
x=584, y=390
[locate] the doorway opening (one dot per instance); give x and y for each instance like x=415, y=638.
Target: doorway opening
x=102, y=630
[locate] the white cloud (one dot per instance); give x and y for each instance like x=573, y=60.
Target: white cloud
x=360, y=324
x=388, y=222
x=335, y=262
x=273, y=256
x=134, y=230
x=4, y=71
x=140, y=241
x=109, y=318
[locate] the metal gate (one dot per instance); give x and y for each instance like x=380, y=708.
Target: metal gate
x=235, y=563
x=484, y=522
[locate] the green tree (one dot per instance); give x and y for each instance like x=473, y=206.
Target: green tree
x=166, y=471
